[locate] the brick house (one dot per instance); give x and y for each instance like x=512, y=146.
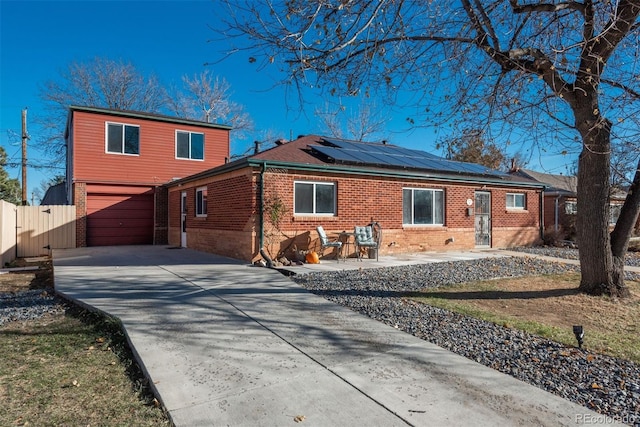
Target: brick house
x=118, y=162
x=561, y=202
x=422, y=202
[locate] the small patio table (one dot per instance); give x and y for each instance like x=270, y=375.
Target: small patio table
x=348, y=239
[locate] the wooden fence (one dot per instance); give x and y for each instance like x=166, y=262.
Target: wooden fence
x=39, y=229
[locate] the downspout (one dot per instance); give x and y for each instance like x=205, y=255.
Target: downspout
x=556, y=213
x=261, y=207
x=261, y=204
x=542, y=215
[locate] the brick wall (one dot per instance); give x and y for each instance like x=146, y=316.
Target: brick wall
x=80, y=200
x=566, y=223
x=231, y=226
x=161, y=216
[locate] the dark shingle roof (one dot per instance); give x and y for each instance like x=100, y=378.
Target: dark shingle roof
x=555, y=183
x=55, y=195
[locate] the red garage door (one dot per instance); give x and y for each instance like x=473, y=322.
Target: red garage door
x=119, y=219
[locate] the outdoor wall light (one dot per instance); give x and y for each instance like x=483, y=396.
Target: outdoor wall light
x=578, y=331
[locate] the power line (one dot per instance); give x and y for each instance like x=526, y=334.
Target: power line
x=33, y=166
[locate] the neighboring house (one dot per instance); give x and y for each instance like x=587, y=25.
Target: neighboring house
x=561, y=203
x=422, y=202
x=117, y=163
x=55, y=195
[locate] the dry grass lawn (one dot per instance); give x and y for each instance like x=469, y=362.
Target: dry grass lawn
x=550, y=306
x=70, y=369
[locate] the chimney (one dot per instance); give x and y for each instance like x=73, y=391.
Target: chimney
x=256, y=147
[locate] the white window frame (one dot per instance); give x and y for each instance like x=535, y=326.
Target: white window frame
x=314, y=198
x=613, y=208
x=124, y=131
x=190, y=133
x=513, y=197
x=570, y=207
x=433, y=212
x=201, y=202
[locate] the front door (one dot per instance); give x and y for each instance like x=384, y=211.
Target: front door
x=183, y=219
x=483, y=219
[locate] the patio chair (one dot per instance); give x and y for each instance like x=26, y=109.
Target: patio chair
x=365, y=239
x=326, y=243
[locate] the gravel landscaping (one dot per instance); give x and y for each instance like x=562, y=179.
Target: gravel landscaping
x=605, y=384
x=29, y=305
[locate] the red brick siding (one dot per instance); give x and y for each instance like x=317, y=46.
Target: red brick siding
x=229, y=227
x=161, y=216
x=174, y=207
x=565, y=222
x=231, y=204
x=80, y=201
x=503, y=217
x=233, y=200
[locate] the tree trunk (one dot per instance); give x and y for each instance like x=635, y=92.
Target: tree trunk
x=601, y=273
x=627, y=220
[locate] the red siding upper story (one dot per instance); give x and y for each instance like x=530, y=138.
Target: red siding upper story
x=156, y=162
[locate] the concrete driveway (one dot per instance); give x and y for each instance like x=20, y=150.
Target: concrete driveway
x=224, y=343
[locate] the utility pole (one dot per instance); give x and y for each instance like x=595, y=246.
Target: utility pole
x=24, y=157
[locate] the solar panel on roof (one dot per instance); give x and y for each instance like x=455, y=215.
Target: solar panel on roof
x=348, y=156
x=391, y=155
x=392, y=150
x=334, y=153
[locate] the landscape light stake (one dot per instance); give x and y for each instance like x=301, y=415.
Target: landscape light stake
x=578, y=331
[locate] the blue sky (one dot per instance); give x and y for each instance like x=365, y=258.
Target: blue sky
x=169, y=39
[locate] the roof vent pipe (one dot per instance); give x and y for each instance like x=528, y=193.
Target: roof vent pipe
x=256, y=147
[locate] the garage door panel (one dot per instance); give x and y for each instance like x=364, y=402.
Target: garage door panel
x=118, y=241
x=111, y=223
x=102, y=203
x=119, y=214
x=114, y=231
x=120, y=219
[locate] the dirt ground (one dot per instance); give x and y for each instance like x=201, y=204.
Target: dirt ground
x=15, y=281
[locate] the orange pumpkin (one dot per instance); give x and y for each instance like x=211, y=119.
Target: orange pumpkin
x=312, y=258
